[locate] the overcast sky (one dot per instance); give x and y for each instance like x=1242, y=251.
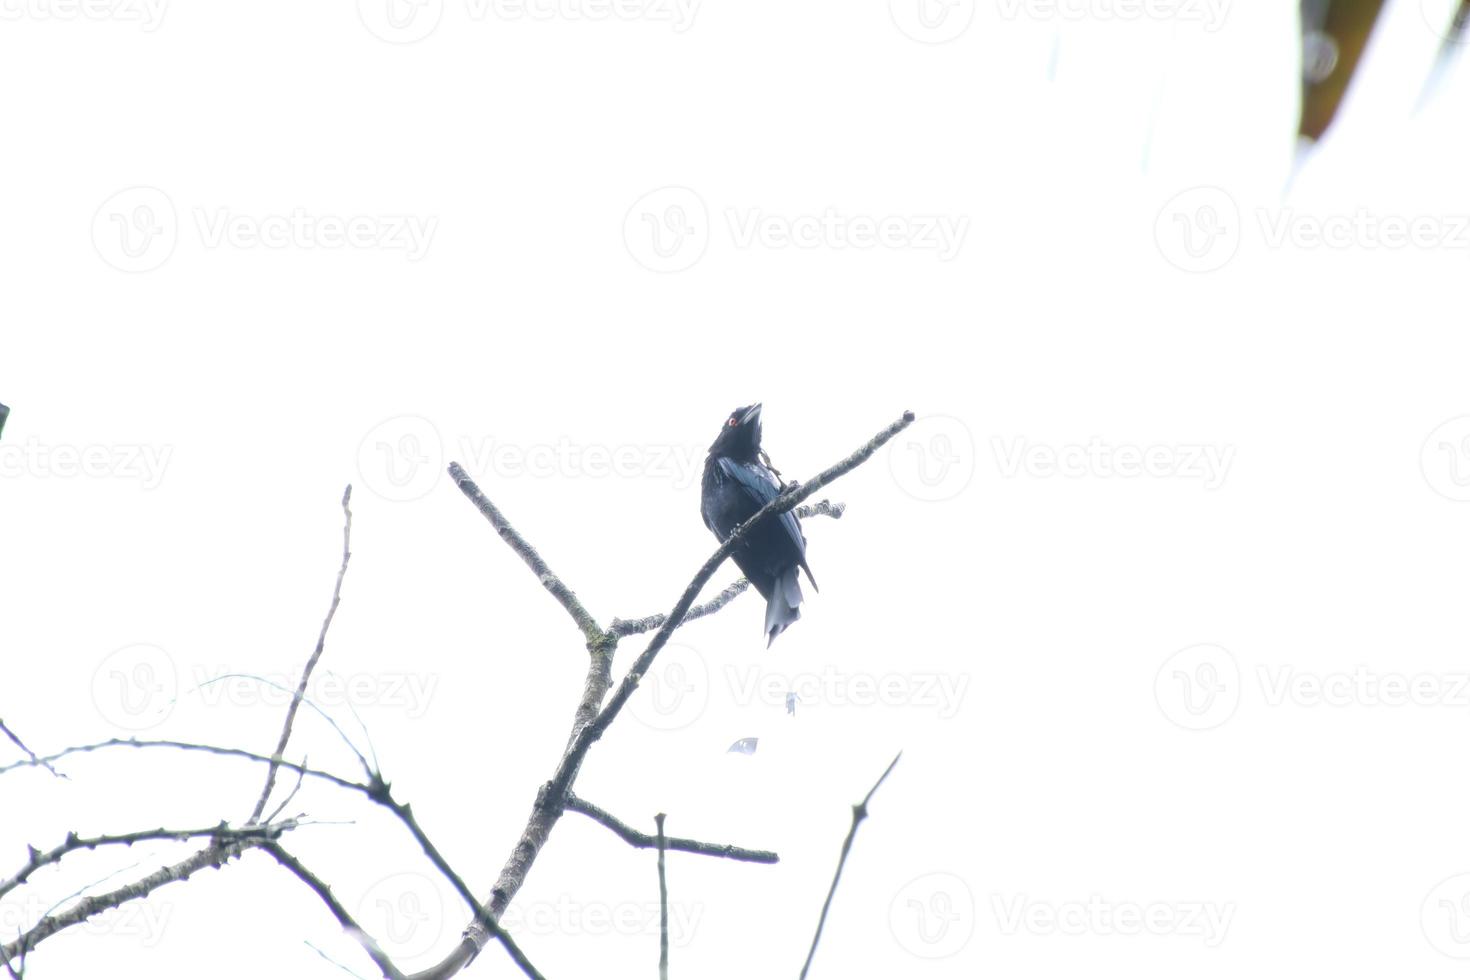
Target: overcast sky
x=1163, y=597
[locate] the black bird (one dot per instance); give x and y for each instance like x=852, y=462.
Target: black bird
x=737, y=483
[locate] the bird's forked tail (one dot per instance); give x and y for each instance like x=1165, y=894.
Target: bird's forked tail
x=784, y=606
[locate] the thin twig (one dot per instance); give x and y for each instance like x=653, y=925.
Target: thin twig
x=663, y=904
x=636, y=838
x=344, y=918
x=300, y=778
x=26, y=749
x=859, y=813
x=321, y=643
x=367, y=769
x=341, y=966
x=163, y=743
x=631, y=627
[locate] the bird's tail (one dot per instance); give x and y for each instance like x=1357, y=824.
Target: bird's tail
x=784, y=606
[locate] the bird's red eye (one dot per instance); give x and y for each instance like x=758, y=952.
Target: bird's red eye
x=733, y=421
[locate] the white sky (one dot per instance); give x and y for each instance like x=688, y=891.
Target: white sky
x=505, y=303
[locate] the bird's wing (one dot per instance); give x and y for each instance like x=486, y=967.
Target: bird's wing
x=760, y=486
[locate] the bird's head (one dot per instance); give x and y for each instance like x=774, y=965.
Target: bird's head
x=740, y=436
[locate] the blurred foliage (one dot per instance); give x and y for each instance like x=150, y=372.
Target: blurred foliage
x=1334, y=34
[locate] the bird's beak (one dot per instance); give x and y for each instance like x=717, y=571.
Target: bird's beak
x=752, y=414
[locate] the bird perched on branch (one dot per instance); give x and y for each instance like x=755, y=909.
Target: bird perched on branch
x=738, y=481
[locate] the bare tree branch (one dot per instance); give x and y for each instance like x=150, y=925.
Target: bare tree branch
x=228, y=842
x=40, y=859
x=324, y=892
x=663, y=904
x=859, y=813
x=94, y=904
x=404, y=812
x=321, y=642
x=529, y=555
x=637, y=838
x=551, y=799
x=595, y=711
